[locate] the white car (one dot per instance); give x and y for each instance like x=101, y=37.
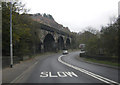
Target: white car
x=82, y=53
x=65, y=51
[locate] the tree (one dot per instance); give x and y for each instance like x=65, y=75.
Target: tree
x=23, y=34
x=109, y=38
x=50, y=16
x=45, y=15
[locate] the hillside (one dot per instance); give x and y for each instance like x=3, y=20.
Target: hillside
x=47, y=19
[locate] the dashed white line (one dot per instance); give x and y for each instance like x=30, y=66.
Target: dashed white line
x=103, y=79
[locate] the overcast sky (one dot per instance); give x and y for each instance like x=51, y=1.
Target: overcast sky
x=76, y=14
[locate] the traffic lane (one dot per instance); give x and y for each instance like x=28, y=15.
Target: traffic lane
x=51, y=64
x=97, y=69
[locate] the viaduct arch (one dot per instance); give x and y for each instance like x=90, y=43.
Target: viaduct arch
x=52, y=39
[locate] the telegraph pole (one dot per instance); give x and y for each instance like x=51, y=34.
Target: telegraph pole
x=11, y=46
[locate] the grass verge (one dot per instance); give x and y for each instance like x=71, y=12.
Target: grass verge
x=103, y=62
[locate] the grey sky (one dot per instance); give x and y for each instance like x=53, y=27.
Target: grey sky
x=76, y=14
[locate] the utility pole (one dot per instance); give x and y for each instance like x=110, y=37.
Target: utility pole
x=11, y=47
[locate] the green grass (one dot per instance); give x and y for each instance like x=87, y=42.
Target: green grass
x=103, y=62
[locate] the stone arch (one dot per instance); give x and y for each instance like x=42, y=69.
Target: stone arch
x=49, y=43
x=60, y=43
x=67, y=43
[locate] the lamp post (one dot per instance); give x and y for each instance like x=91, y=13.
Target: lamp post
x=118, y=18
x=11, y=46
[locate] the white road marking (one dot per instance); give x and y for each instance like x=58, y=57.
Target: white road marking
x=71, y=74
x=61, y=74
x=103, y=79
x=44, y=74
x=51, y=75
x=58, y=74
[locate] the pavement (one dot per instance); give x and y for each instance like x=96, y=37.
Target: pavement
x=10, y=74
x=58, y=68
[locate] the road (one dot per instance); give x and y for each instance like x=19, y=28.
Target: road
x=67, y=69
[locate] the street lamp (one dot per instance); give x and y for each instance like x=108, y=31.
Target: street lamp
x=11, y=46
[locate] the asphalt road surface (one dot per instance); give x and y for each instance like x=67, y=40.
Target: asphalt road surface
x=67, y=69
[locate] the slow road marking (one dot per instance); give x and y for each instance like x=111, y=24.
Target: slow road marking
x=58, y=74
x=96, y=76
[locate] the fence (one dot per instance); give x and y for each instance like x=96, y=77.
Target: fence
x=6, y=61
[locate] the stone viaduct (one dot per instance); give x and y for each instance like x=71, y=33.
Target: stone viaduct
x=52, y=39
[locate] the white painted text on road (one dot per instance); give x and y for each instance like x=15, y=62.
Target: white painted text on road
x=58, y=74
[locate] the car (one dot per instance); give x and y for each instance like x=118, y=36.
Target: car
x=82, y=53
x=65, y=51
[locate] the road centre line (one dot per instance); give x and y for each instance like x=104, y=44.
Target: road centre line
x=103, y=79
